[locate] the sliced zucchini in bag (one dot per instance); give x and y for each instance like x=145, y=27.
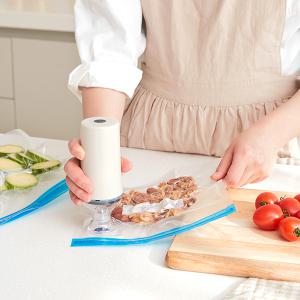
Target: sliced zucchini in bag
x=3, y=188
x=25, y=159
x=20, y=181
x=21, y=159
x=46, y=166
x=7, y=149
x=9, y=165
x=36, y=157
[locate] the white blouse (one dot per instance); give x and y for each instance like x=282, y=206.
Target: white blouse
x=110, y=40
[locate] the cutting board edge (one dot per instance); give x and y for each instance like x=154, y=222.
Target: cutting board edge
x=222, y=265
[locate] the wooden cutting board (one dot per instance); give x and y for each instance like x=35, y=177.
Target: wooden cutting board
x=234, y=246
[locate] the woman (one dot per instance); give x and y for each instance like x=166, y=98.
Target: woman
x=219, y=78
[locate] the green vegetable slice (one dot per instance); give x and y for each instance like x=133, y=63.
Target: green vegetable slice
x=20, y=181
x=36, y=157
x=3, y=187
x=9, y=165
x=7, y=149
x=21, y=159
x=27, y=161
x=45, y=166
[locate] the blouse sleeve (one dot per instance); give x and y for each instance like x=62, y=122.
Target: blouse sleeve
x=110, y=40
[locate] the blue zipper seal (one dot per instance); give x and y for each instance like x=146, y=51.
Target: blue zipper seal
x=61, y=187
x=96, y=241
x=50, y=195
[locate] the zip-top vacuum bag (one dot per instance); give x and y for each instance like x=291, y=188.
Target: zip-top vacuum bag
x=181, y=200
x=27, y=173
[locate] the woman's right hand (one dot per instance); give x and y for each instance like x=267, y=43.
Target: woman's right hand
x=80, y=186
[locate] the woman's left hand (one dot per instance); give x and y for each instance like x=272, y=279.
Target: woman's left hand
x=249, y=158
x=252, y=154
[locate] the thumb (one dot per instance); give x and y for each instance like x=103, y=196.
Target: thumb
x=224, y=165
x=126, y=165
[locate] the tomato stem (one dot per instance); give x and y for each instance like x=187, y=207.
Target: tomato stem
x=285, y=213
x=262, y=203
x=297, y=232
x=282, y=197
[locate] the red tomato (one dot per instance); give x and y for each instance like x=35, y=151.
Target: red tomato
x=267, y=217
x=297, y=197
x=298, y=214
x=265, y=198
x=289, y=229
x=289, y=206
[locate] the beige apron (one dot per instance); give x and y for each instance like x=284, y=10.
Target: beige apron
x=211, y=68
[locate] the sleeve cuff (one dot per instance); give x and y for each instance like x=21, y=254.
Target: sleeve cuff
x=106, y=74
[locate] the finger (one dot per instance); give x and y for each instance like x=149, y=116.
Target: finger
x=75, y=173
x=249, y=176
x=259, y=179
x=253, y=175
x=236, y=170
x=224, y=165
x=126, y=165
x=76, y=149
x=79, y=193
x=75, y=199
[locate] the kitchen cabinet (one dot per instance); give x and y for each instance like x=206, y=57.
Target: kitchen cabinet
x=34, y=70
x=44, y=105
x=6, y=80
x=37, y=53
x=7, y=115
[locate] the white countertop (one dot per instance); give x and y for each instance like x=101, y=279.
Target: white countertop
x=50, y=15
x=37, y=263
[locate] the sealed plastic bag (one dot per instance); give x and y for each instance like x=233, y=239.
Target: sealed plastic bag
x=181, y=200
x=26, y=172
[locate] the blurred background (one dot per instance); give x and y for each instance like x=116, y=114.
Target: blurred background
x=37, y=53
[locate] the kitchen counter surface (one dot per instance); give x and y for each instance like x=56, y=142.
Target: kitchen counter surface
x=49, y=15
x=37, y=262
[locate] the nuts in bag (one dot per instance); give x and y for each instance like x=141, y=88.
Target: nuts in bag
x=168, y=199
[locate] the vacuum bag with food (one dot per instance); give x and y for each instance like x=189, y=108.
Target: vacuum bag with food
x=181, y=200
x=26, y=172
